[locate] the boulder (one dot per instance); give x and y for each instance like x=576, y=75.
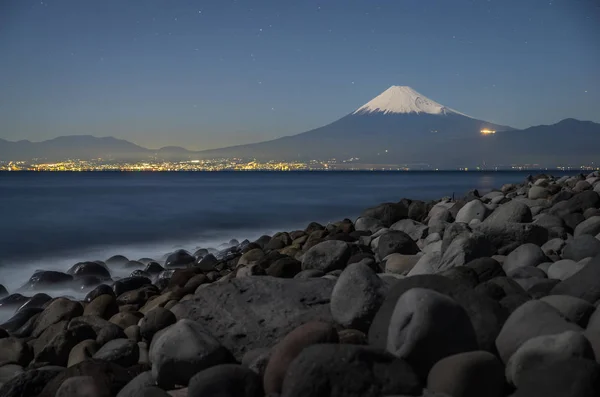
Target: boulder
x=526, y=272
x=243, y=314
x=105, y=330
x=290, y=347
x=183, y=349
x=285, y=267
x=111, y=377
x=129, y=284
x=584, y=284
x=206, y=263
x=154, y=321
x=400, y=264
x=101, y=289
x=59, y=310
x=123, y=352
x=418, y=329
x=80, y=386
x=583, y=246
x=506, y=237
x=137, y=385
x=487, y=316
x=465, y=248
x=563, y=269
x=554, y=246
x=524, y=255
x=395, y=241
x=349, y=370
x=368, y=224
x=226, y=380
x=574, y=377
x=387, y=213
x=15, y=351
x=82, y=351
x=116, y=261
x=511, y=212
x=531, y=319
x=543, y=350
x=471, y=374
x=327, y=256
x=57, y=351
x=486, y=268
x=48, y=279
x=179, y=259
x=89, y=269
x=29, y=383
x=356, y=297
x=573, y=220
x=578, y=203
x=474, y=209
x=125, y=319
x=589, y=226
x=104, y=306
x=538, y=192
x=414, y=229
x=9, y=371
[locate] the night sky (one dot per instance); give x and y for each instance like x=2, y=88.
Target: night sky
x=204, y=74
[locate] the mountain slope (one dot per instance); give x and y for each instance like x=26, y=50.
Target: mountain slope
x=399, y=126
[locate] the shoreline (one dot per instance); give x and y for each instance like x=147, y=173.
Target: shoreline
x=502, y=269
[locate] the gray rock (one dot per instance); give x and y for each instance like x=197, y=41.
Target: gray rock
x=427, y=264
x=578, y=203
x=395, y=241
x=589, y=226
x=538, y=192
x=472, y=374
x=105, y=331
x=286, y=351
x=257, y=360
x=544, y=350
x=574, y=377
x=387, y=213
x=243, y=315
x=154, y=321
x=584, y=284
x=506, y=237
x=553, y=246
x=549, y=221
x=368, y=224
x=400, y=264
x=182, y=350
x=56, y=352
x=9, y=371
x=563, y=269
x=526, y=272
x=356, y=297
x=29, y=383
x=573, y=309
x=327, y=256
x=418, y=329
x=59, y=310
x=136, y=385
x=511, y=212
x=348, y=370
x=524, y=255
x=531, y=319
x=82, y=351
x=123, y=352
x=474, y=209
x=82, y=386
x=465, y=248
x=452, y=232
x=486, y=268
x=414, y=229
x=581, y=247
x=226, y=380
x=15, y=351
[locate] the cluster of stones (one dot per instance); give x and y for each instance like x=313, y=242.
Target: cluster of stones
x=491, y=295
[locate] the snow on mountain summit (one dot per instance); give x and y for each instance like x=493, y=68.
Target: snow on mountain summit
x=403, y=99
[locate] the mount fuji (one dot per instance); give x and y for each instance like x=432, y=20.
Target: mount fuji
x=400, y=126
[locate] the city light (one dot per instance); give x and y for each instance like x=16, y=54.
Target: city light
x=485, y=131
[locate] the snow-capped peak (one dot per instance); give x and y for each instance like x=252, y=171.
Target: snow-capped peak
x=403, y=99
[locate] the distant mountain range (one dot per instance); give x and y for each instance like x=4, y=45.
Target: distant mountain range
x=400, y=126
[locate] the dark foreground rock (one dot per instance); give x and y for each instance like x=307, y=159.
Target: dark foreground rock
x=252, y=312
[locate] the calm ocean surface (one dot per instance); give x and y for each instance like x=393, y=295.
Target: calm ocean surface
x=50, y=220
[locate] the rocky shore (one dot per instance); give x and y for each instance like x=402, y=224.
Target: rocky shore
x=478, y=296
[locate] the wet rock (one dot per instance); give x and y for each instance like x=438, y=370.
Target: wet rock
x=102, y=289
x=178, y=259
x=89, y=269
x=56, y=352
x=105, y=331
x=9, y=371
x=126, y=319
x=116, y=261
x=29, y=383
x=285, y=267
x=129, y=284
x=48, y=279
x=207, y=263
x=104, y=306
x=138, y=296
x=15, y=351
